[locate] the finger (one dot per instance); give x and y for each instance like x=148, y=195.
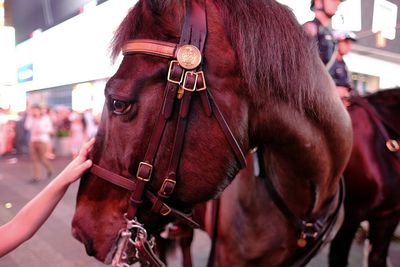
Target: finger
x=87, y=147
x=89, y=143
x=85, y=165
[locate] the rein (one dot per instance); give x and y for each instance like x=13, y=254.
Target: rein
x=313, y=232
x=185, y=78
x=391, y=144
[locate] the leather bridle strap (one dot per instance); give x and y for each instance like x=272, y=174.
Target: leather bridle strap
x=145, y=167
x=312, y=232
x=195, y=33
x=150, y=47
x=391, y=144
x=130, y=185
x=185, y=72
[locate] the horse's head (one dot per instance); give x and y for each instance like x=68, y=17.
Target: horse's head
x=177, y=147
x=173, y=132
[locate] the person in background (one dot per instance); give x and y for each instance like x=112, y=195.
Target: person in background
x=40, y=127
x=319, y=28
x=22, y=138
x=90, y=122
x=78, y=132
x=339, y=71
x=34, y=214
x=50, y=148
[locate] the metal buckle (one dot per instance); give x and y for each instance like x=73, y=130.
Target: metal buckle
x=392, y=145
x=204, y=87
x=167, y=212
x=309, y=232
x=170, y=70
x=184, y=81
x=138, y=170
x=165, y=184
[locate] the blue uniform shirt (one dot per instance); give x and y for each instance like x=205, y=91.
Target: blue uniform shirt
x=340, y=74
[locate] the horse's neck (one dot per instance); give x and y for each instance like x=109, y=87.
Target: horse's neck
x=305, y=152
x=385, y=113
x=251, y=226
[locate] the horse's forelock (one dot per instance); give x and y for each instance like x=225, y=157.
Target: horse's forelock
x=128, y=28
x=154, y=10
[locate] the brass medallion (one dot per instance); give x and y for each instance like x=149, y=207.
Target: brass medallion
x=188, y=56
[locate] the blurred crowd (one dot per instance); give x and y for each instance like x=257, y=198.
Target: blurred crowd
x=67, y=130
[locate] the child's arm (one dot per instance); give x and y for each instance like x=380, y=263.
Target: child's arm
x=31, y=217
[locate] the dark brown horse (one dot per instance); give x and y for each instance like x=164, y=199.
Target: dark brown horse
x=195, y=89
x=372, y=177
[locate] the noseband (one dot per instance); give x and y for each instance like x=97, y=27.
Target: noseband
x=185, y=78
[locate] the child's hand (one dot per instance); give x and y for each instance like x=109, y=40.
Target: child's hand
x=77, y=166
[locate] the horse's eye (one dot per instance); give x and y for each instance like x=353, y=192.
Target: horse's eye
x=120, y=107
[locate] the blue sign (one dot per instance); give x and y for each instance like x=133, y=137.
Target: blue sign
x=25, y=73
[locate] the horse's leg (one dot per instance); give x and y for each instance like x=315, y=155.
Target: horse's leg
x=185, y=243
x=162, y=247
x=340, y=246
x=381, y=232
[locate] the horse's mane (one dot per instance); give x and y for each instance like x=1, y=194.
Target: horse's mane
x=272, y=48
x=385, y=93
x=385, y=97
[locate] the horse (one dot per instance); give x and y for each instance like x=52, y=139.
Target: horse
x=194, y=92
x=372, y=177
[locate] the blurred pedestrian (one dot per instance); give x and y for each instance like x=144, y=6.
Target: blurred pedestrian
x=40, y=127
x=339, y=71
x=22, y=138
x=78, y=132
x=34, y=214
x=90, y=123
x=50, y=148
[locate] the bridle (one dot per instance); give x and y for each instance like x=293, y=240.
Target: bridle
x=185, y=78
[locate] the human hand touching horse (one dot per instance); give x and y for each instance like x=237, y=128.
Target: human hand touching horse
x=36, y=212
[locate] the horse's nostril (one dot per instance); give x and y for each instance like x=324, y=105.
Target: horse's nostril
x=89, y=248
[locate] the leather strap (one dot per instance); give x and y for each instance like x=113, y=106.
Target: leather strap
x=215, y=207
x=228, y=133
x=189, y=79
x=378, y=120
x=130, y=185
x=312, y=232
x=150, y=47
x=165, y=210
x=148, y=254
x=113, y=177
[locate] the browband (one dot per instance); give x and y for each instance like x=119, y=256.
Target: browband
x=150, y=47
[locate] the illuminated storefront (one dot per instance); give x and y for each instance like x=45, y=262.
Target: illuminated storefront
x=56, y=64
